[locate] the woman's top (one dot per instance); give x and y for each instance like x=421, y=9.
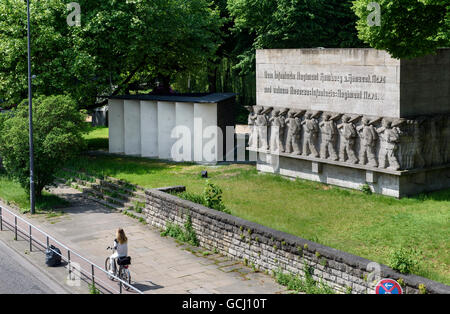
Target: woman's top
x=122, y=249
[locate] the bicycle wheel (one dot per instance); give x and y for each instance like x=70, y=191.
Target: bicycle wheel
x=108, y=268
x=125, y=276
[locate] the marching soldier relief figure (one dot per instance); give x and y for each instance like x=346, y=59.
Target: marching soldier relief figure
x=278, y=126
x=311, y=127
x=294, y=126
x=348, y=140
x=252, y=139
x=389, y=138
x=368, y=136
x=261, y=125
x=329, y=137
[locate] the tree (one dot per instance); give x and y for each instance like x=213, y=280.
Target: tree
x=58, y=136
x=291, y=24
x=119, y=46
x=407, y=28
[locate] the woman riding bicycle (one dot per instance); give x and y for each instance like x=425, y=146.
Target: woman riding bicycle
x=121, y=247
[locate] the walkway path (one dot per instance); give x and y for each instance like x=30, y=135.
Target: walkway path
x=19, y=276
x=159, y=265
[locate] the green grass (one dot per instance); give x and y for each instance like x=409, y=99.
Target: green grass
x=12, y=192
x=97, y=138
x=366, y=225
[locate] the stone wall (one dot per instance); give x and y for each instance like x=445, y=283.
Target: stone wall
x=271, y=250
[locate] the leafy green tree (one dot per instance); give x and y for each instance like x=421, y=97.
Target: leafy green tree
x=407, y=28
x=120, y=46
x=291, y=24
x=58, y=129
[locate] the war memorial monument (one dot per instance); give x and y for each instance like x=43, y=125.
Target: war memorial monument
x=353, y=118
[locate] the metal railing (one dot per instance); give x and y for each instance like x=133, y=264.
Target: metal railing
x=35, y=237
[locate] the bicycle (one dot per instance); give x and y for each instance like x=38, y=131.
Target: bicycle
x=122, y=272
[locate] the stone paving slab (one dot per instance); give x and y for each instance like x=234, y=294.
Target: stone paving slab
x=159, y=265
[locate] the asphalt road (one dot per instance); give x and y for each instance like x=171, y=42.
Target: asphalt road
x=19, y=276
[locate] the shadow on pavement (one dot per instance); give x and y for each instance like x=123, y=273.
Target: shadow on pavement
x=144, y=287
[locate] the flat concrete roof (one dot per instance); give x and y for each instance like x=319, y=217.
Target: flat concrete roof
x=196, y=98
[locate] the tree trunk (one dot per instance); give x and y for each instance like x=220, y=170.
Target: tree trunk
x=212, y=78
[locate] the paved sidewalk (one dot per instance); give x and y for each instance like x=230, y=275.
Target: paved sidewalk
x=159, y=265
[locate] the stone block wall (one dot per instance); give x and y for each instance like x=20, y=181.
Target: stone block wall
x=270, y=250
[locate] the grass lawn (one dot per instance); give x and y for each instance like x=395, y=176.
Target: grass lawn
x=12, y=192
x=97, y=138
x=366, y=225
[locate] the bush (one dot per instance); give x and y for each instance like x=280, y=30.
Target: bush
x=365, y=188
x=307, y=285
x=58, y=136
x=195, y=198
x=212, y=194
x=187, y=235
x=211, y=197
x=404, y=260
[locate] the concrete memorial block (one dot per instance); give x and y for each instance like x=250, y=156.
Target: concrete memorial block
x=166, y=123
x=354, y=116
x=116, y=130
x=132, y=127
x=185, y=122
x=149, y=128
x=157, y=125
x=206, y=134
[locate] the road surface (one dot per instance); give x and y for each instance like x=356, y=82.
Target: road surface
x=18, y=276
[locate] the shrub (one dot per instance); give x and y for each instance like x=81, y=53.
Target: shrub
x=422, y=289
x=307, y=285
x=58, y=136
x=187, y=235
x=211, y=197
x=404, y=260
x=195, y=198
x=365, y=188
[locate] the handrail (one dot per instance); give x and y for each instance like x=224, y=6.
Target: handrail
x=70, y=251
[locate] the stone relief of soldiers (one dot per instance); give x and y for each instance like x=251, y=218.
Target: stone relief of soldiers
x=329, y=137
x=348, y=140
x=389, y=139
x=403, y=144
x=277, y=130
x=310, y=135
x=368, y=136
x=294, y=128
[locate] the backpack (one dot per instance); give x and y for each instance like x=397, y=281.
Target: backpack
x=52, y=256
